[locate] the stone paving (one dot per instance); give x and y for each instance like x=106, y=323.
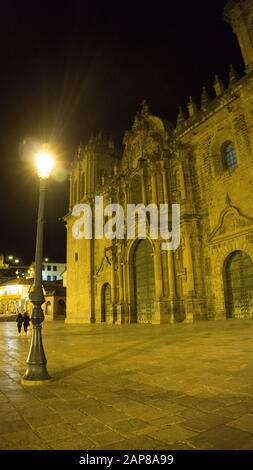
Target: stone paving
x=181, y=386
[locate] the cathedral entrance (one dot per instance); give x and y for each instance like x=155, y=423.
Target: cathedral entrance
x=105, y=302
x=144, y=282
x=238, y=280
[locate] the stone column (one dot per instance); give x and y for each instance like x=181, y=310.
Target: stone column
x=121, y=287
x=126, y=293
x=113, y=289
x=153, y=188
x=189, y=264
x=144, y=199
x=171, y=274
x=120, y=303
x=70, y=192
x=126, y=194
x=78, y=182
x=158, y=274
x=172, y=285
x=158, y=314
x=190, y=280
x=165, y=187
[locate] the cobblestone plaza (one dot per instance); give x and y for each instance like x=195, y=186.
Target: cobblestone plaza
x=179, y=386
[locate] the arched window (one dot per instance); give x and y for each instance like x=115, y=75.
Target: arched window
x=229, y=155
x=179, y=184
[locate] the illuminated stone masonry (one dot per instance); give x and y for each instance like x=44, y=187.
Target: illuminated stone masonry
x=205, y=165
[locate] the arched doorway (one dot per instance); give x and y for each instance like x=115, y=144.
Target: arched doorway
x=105, y=302
x=144, y=282
x=238, y=284
x=61, y=311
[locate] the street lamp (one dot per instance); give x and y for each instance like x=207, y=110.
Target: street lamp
x=36, y=371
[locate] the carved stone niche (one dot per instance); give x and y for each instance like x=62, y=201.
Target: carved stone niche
x=231, y=221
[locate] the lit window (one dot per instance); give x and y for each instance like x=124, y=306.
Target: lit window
x=229, y=155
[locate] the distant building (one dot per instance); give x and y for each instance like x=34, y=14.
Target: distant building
x=8, y=271
x=3, y=265
x=55, y=302
x=14, y=295
x=14, y=298
x=51, y=271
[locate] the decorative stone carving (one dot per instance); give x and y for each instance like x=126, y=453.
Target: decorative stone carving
x=231, y=220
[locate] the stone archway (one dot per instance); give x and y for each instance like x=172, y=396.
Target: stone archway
x=105, y=302
x=238, y=285
x=48, y=309
x=143, y=282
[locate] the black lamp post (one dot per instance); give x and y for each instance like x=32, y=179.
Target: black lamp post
x=36, y=371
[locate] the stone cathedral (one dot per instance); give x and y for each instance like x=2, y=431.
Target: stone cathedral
x=204, y=163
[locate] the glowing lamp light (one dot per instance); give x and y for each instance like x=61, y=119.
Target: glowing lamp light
x=44, y=164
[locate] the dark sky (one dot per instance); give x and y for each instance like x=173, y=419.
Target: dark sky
x=69, y=68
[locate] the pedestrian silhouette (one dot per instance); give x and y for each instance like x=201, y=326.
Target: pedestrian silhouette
x=26, y=321
x=19, y=321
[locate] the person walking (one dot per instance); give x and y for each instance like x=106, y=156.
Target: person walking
x=19, y=321
x=26, y=321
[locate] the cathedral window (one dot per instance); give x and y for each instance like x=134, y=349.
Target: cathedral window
x=229, y=156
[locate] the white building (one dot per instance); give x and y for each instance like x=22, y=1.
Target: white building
x=51, y=271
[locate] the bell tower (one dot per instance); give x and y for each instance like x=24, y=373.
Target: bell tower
x=239, y=14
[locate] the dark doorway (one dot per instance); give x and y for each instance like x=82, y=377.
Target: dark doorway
x=238, y=283
x=144, y=282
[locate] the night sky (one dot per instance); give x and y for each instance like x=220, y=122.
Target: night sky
x=70, y=68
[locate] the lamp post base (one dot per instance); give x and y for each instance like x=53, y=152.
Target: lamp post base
x=35, y=382
x=36, y=374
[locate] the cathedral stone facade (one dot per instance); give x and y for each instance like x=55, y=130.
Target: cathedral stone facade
x=205, y=164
